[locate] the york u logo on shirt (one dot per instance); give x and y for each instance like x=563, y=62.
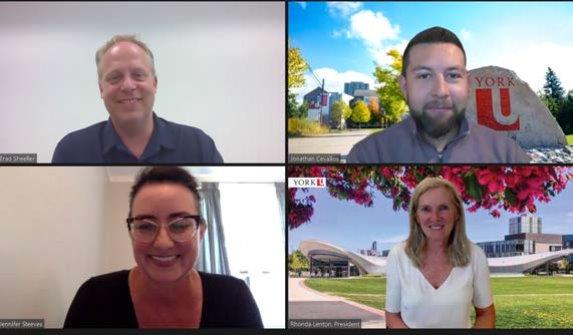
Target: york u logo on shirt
x=489, y=115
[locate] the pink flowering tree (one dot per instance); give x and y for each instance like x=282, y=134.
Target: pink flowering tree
x=492, y=187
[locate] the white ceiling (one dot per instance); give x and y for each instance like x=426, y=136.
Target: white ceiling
x=220, y=174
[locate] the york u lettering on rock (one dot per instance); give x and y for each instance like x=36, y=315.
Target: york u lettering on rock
x=495, y=81
x=499, y=99
x=504, y=121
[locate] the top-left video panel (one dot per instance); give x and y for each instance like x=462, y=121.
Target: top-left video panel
x=142, y=83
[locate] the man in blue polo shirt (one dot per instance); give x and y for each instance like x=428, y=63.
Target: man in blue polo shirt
x=133, y=134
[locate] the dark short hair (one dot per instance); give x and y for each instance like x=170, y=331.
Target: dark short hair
x=164, y=174
x=431, y=35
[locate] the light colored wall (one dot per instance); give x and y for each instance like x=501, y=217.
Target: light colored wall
x=117, y=251
x=544, y=247
x=541, y=247
x=51, y=239
x=220, y=67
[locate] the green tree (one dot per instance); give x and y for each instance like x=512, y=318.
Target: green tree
x=565, y=116
x=552, y=87
x=294, y=109
x=551, y=104
x=374, y=108
x=360, y=113
x=297, y=262
x=340, y=111
x=389, y=94
x=297, y=66
x=553, y=93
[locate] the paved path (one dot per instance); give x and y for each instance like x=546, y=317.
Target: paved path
x=326, y=144
x=306, y=303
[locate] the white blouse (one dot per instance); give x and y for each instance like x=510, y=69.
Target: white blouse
x=422, y=306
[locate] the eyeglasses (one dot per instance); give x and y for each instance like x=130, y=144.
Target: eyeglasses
x=182, y=229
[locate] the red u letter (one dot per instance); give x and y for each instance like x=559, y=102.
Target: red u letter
x=484, y=109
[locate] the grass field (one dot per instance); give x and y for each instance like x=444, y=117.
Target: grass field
x=520, y=302
x=570, y=139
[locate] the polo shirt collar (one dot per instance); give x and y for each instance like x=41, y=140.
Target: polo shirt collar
x=110, y=139
x=161, y=137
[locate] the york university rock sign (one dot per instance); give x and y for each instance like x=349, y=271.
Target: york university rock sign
x=503, y=102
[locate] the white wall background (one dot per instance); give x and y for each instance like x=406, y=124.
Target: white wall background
x=51, y=240
x=220, y=67
x=63, y=225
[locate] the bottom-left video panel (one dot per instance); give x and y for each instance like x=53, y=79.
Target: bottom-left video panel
x=142, y=247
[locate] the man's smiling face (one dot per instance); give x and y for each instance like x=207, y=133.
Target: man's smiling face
x=436, y=86
x=127, y=84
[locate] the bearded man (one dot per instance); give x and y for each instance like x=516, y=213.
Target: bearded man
x=435, y=83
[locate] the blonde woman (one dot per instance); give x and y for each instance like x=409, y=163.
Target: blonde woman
x=437, y=275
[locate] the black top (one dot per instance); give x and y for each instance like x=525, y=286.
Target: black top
x=170, y=143
x=105, y=302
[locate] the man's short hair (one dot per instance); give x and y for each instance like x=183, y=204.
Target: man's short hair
x=165, y=174
x=122, y=38
x=431, y=35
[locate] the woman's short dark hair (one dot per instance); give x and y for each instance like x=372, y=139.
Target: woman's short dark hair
x=431, y=35
x=164, y=174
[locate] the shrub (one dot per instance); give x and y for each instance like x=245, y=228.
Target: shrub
x=305, y=127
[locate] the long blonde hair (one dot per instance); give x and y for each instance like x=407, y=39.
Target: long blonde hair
x=458, y=242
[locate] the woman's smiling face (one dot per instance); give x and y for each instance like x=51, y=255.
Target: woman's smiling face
x=163, y=259
x=436, y=214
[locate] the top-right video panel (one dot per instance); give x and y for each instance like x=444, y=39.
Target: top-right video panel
x=430, y=82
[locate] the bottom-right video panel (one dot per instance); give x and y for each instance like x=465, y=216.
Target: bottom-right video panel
x=422, y=246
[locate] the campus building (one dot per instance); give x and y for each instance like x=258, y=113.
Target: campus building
x=373, y=251
x=568, y=244
x=525, y=238
x=318, y=107
x=349, y=88
x=334, y=97
x=328, y=260
x=363, y=95
x=315, y=99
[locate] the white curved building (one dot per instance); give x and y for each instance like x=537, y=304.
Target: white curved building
x=326, y=253
x=329, y=253
x=525, y=263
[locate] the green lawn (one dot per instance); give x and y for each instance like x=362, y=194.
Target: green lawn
x=570, y=139
x=522, y=302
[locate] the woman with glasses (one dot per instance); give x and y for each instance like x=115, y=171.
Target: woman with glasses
x=164, y=290
x=437, y=276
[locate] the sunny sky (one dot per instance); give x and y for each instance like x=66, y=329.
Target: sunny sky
x=353, y=227
x=343, y=40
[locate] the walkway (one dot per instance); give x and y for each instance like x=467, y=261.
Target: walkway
x=306, y=303
x=327, y=144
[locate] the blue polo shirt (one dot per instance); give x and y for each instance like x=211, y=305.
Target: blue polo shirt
x=170, y=143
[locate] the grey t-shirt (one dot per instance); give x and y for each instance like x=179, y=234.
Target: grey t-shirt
x=402, y=144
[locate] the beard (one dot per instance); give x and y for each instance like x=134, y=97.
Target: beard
x=437, y=127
